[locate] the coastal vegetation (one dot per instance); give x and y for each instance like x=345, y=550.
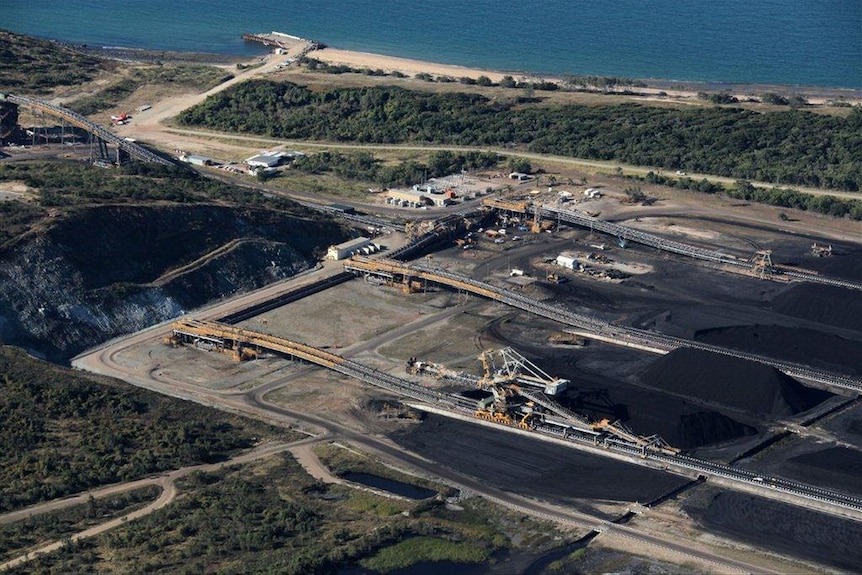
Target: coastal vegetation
x=774, y=196
x=271, y=516
x=64, y=185
x=786, y=148
x=63, y=432
x=60, y=192
x=33, y=66
x=197, y=78
x=569, y=82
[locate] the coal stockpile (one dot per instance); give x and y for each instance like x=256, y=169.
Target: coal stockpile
x=680, y=423
x=836, y=467
x=599, y=395
x=736, y=383
x=829, y=305
x=807, y=346
x=531, y=466
x=845, y=264
x=796, y=532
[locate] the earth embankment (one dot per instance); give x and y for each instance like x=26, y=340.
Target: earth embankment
x=101, y=271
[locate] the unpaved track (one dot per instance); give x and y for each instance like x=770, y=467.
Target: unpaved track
x=253, y=403
x=168, y=494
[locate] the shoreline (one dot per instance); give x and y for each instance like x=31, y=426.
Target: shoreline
x=646, y=87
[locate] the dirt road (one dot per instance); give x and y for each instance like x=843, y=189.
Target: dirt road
x=169, y=492
x=253, y=403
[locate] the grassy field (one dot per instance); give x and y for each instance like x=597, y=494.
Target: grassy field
x=32, y=66
x=187, y=77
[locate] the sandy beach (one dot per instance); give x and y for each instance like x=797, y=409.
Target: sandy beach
x=661, y=88
x=406, y=66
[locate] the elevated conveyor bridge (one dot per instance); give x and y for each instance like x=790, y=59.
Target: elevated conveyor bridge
x=394, y=271
x=76, y=119
x=231, y=338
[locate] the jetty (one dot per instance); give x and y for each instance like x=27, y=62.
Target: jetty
x=280, y=40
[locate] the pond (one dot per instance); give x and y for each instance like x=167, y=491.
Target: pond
x=390, y=485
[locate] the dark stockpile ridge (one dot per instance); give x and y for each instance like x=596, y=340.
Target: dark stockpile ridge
x=816, y=348
x=782, y=528
x=530, y=466
x=646, y=412
x=824, y=304
x=836, y=467
x=843, y=264
x=736, y=383
x=596, y=394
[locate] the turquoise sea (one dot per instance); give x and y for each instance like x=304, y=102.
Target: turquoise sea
x=796, y=42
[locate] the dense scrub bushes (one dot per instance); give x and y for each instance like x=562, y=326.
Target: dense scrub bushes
x=785, y=148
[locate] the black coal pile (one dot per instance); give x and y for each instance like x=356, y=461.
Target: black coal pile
x=736, y=383
x=680, y=423
x=842, y=265
x=777, y=526
x=807, y=346
x=829, y=305
x=836, y=467
x=530, y=466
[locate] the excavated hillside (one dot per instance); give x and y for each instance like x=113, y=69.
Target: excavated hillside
x=87, y=273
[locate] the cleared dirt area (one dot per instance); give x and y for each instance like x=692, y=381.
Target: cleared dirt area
x=712, y=406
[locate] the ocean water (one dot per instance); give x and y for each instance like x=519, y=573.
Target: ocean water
x=796, y=42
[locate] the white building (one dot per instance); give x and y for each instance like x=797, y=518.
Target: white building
x=265, y=160
x=414, y=199
x=567, y=261
x=197, y=160
x=347, y=249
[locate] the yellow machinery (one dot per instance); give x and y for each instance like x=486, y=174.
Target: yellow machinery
x=512, y=206
x=243, y=344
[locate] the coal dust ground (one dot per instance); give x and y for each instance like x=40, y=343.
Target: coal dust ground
x=533, y=467
x=704, y=403
x=779, y=527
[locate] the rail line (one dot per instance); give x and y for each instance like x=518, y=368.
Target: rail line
x=652, y=240
x=233, y=339
x=580, y=219
x=76, y=119
x=392, y=270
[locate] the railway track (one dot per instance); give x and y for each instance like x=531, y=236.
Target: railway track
x=391, y=269
x=232, y=338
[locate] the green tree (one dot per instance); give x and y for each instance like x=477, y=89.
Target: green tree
x=521, y=165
